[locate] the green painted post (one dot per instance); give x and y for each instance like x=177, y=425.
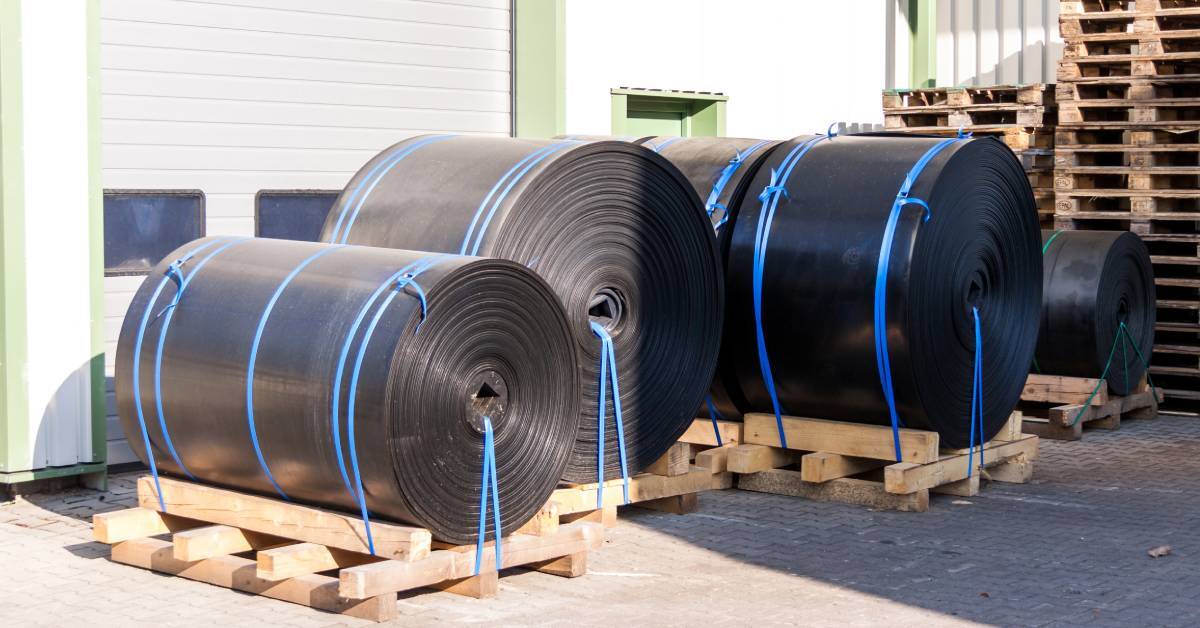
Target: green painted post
x=14, y=401
x=539, y=67
x=922, y=24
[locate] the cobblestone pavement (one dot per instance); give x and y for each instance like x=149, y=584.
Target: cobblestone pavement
x=1069, y=548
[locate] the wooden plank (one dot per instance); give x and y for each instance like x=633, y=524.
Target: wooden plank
x=545, y=522
x=675, y=461
x=1017, y=470
x=822, y=467
x=908, y=477
x=135, y=523
x=582, y=497
x=606, y=517
x=485, y=585
x=1059, y=389
x=289, y=561
x=218, y=540
x=715, y=459
x=840, y=437
x=569, y=566
x=701, y=432
x=1053, y=430
x=292, y=521
x=962, y=488
x=844, y=490
x=755, y=458
x=1010, y=431
x=676, y=505
x=390, y=576
x=234, y=572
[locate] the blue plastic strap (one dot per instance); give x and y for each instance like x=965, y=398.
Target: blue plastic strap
x=976, y=397
x=368, y=183
x=663, y=144
x=490, y=206
x=712, y=204
x=882, y=360
x=770, y=200
x=488, y=482
x=405, y=277
x=608, y=373
x=712, y=412
x=137, y=364
x=250, y=364
x=169, y=312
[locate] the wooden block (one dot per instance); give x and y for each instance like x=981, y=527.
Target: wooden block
x=676, y=461
x=389, y=576
x=485, y=585
x=677, y=504
x=569, y=566
x=1065, y=390
x=1106, y=423
x=822, y=467
x=839, y=437
x=715, y=459
x=701, y=432
x=962, y=488
x=844, y=490
x=545, y=522
x=136, y=523
x=235, y=572
x=908, y=477
x=1016, y=471
x=755, y=458
x=298, y=559
x=209, y=541
x=1010, y=431
x=292, y=521
x=606, y=516
x=1053, y=431
x=646, y=486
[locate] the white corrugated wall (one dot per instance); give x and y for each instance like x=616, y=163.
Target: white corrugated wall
x=234, y=96
x=983, y=42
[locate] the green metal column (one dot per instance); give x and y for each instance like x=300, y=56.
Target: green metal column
x=922, y=25
x=14, y=401
x=539, y=68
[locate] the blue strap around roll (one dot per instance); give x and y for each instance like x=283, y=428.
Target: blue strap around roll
x=360, y=192
x=770, y=200
x=608, y=373
x=882, y=360
x=250, y=364
x=403, y=278
x=168, y=315
x=487, y=208
x=488, y=484
x=712, y=203
x=976, y=396
x=663, y=144
x=712, y=413
x=137, y=361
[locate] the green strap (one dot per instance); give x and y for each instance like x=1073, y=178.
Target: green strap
x=1122, y=332
x=1046, y=246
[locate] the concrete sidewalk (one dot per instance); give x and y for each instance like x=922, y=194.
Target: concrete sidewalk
x=1069, y=548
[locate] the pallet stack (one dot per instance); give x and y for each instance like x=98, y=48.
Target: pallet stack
x=1023, y=116
x=1128, y=155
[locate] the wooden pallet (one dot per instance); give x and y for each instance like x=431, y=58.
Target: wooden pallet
x=283, y=550
x=855, y=463
x=1017, y=116
x=1175, y=113
x=1175, y=64
x=897, y=100
x=1054, y=406
x=1128, y=88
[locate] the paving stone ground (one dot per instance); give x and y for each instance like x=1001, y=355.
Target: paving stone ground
x=1069, y=548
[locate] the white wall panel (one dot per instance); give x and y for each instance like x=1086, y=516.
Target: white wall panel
x=992, y=42
x=234, y=96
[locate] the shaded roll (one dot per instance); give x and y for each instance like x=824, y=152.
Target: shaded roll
x=720, y=170
x=615, y=230
x=235, y=382
x=832, y=198
x=1092, y=282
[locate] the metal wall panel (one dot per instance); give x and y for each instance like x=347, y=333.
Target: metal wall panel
x=997, y=42
x=234, y=96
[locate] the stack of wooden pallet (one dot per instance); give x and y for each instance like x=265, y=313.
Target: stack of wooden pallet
x=1128, y=154
x=1023, y=116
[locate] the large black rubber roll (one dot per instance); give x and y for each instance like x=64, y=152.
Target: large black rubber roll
x=980, y=247
x=494, y=341
x=613, y=227
x=1092, y=282
x=720, y=170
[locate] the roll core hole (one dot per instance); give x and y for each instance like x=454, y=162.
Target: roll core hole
x=974, y=293
x=489, y=398
x=1122, y=310
x=605, y=308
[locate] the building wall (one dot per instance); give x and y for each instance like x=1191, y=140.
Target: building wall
x=788, y=67
x=234, y=96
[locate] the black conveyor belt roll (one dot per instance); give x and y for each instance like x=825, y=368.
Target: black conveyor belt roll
x=494, y=341
x=720, y=169
x=1093, y=281
x=980, y=247
x=614, y=228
